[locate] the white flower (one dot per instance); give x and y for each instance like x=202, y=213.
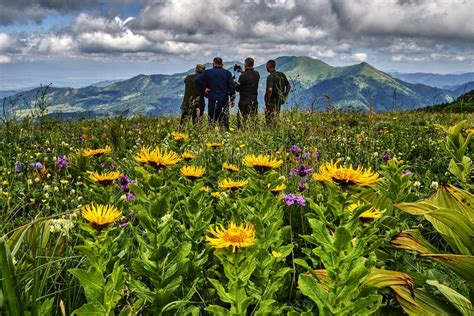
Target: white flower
x=434, y=185
x=417, y=184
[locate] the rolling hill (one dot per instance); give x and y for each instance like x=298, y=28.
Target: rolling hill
x=447, y=81
x=357, y=86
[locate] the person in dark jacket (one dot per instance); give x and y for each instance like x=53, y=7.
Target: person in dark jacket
x=247, y=86
x=193, y=99
x=276, y=92
x=218, y=86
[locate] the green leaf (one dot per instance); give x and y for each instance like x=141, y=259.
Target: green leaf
x=9, y=282
x=413, y=240
x=218, y=310
x=458, y=300
x=422, y=303
x=223, y=295
x=91, y=309
x=312, y=289
x=246, y=269
x=342, y=238
x=92, y=282
x=114, y=287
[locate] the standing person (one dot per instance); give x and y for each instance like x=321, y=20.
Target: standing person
x=218, y=85
x=247, y=86
x=193, y=99
x=278, y=88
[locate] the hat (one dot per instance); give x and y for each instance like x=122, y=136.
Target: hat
x=200, y=68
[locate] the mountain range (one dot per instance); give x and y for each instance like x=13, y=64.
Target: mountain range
x=315, y=84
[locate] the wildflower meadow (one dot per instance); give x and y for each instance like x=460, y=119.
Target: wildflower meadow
x=325, y=214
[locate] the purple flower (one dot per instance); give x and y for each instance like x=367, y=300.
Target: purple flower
x=406, y=173
x=386, y=157
x=316, y=155
x=124, y=180
x=130, y=196
x=17, y=166
x=37, y=165
x=291, y=199
x=124, y=188
x=302, y=186
x=123, y=225
x=302, y=171
x=295, y=149
x=62, y=162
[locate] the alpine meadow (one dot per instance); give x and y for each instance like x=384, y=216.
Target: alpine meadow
x=236, y=157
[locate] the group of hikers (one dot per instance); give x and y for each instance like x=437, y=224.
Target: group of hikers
x=219, y=87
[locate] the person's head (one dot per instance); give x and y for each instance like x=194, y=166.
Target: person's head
x=217, y=62
x=271, y=65
x=200, y=68
x=248, y=62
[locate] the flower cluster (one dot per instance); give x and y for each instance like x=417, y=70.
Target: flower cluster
x=291, y=199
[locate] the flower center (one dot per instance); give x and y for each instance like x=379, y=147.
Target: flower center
x=234, y=235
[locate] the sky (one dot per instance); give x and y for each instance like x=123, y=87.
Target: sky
x=78, y=42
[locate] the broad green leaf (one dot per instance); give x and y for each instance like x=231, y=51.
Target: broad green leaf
x=453, y=225
x=342, y=238
x=413, y=240
x=91, y=309
x=458, y=300
x=218, y=310
x=381, y=278
x=462, y=265
x=8, y=281
x=421, y=303
x=223, y=295
x=312, y=289
x=93, y=283
x=449, y=196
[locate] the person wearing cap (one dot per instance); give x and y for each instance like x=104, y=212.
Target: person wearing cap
x=218, y=85
x=193, y=99
x=276, y=92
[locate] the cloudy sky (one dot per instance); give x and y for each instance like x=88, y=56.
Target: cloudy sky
x=76, y=42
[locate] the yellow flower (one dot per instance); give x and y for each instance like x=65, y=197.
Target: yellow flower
x=105, y=178
x=205, y=189
x=192, y=172
x=234, y=236
x=157, y=158
x=100, y=215
x=5, y=182
x=370, y=214
x=215, y=145
x=470, y=131
x=230, y=167
x=215, y=194
x=276, y=254
x=232, y=185
x=278, y=188
x=96, y=152
x=179, y=136
x=262, y=163
x=332, y=172
x=188, y=156
x=62, y=181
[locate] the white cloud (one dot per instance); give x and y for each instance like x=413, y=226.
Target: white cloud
x=5, y=42
x=4, y=59
x=359, y=57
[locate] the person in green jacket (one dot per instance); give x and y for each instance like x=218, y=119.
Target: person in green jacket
x=276, y=92
x=193, y=99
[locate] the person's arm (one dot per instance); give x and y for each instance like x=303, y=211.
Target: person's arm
x=231, y=87
x=238, y=86
x=287, y=86
x=269, y=89
x=201, y=82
